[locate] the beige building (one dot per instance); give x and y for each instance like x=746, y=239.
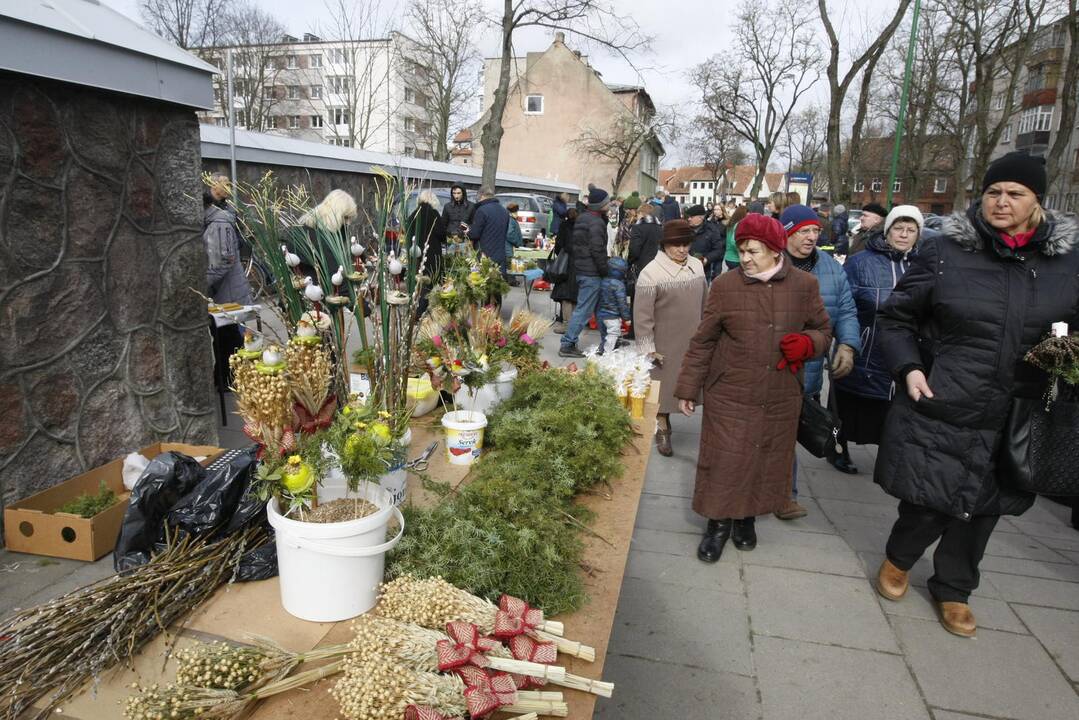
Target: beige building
x=555, y=97
x=695, y=185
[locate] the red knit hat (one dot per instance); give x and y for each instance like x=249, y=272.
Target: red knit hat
x=765, y=229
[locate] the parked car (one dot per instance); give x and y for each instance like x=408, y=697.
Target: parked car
x=533, y=211
x=442, y=193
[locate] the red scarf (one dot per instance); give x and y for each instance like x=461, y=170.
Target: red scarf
x=1018, y=240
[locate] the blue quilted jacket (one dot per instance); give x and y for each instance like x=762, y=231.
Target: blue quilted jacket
x=842, y=313
x=872, y=275
x=612, y=292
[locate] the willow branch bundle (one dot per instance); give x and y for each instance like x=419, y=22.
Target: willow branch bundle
x=433, y=602
x=417, y=647
x=47, y=653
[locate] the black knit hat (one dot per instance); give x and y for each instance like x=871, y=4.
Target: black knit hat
x=597, y=197
x=1021, y=168
x=696, y=210
x=876, y=209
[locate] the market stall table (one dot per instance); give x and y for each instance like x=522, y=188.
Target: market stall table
x=528, y=277
x=238, y=611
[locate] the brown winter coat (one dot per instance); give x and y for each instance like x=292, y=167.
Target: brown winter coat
x=751, y=409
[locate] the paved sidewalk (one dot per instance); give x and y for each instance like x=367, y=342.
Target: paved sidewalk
x=795, y=630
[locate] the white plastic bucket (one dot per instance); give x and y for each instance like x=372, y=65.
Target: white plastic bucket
x=490, y=395
x=464, y=435
x=331, y=571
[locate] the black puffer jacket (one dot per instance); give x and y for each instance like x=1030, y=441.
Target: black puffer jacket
x=590, y=244
x=454, y=214
x=967, y=311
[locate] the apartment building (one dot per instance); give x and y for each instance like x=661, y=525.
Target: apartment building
x=695, y=185
x=555, y=97
x=371, y=94
x=1034, y=123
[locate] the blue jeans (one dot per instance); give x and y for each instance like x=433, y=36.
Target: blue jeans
x=587, y=299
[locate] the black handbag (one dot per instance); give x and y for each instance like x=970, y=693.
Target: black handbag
x=557, y=270
x=1039, y=452
x=819, y=426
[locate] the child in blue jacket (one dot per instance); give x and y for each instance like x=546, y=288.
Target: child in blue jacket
x=613, y=305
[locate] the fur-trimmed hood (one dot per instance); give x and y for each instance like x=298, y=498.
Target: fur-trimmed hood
x=1058, y=235
x=336, y=210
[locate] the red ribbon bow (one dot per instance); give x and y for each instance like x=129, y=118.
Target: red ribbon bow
x=422, y=712
x=525, y=648
x=515, y=617
x=309, y=423
x=465, y=647
x=496, y=691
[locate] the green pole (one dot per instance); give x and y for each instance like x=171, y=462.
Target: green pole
x=911, y=48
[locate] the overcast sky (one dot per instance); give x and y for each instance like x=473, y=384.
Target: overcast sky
x=685, y=33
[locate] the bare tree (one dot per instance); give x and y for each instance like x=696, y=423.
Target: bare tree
x=804, y=140
x=447, y=36
x=187, y=23
x=255, y=37
x=620, y=143
x=992, y=43
x=595, y=21
x=716, y=146
x=755, y=89
x=1058, y=154
x=838, y=88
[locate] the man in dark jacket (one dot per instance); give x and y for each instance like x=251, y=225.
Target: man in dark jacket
x=709, y=241
x=490, y=223
x=559, y=208
x=457, y=214
x=840, y=229
x=669, y=206
x=590, y=265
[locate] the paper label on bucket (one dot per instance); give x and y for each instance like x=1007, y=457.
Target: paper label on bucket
x=396, y=484
x=464, y=442
x=360, y=384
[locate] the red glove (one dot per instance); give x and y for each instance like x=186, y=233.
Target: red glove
x=796, y=349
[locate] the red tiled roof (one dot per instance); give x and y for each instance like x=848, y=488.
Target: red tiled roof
x=463, y=135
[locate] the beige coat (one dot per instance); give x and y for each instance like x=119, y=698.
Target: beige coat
x=666, y=310
x=751, y=408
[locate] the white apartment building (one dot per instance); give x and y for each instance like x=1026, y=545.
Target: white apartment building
x=370, y=94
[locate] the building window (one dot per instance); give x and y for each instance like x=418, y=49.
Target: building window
x=267, y=92
x=316, y=61
x=317, y=121
x=337, y=56
x=293, y=122
x=859, y=186
x=409, y=150
x=316, y=92
x=1006, y=136
x=293, y=92
x=410, y=95
x=341, y=142
x=340, y=116
x=897, y=186
x=940, y=185
x=998, y=101
x=876, y=186
x=290, y=62
x=410, y=124
x=534, y=105
x=1036, y=119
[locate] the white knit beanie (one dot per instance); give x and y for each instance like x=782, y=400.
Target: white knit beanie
x=904, y=212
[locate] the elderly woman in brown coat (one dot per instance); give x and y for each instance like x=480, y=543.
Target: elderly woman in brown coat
x=762, y=322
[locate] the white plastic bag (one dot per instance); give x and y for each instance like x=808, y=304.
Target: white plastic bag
x=134, y=465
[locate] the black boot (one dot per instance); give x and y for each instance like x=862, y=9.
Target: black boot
x=844, y=464
x=744, y=534
x=715, y=537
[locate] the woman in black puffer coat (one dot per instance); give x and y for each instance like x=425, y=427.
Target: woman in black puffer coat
x=953, y=334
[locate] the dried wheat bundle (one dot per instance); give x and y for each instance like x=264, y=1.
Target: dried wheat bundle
x=429, y=650
x=433, y=602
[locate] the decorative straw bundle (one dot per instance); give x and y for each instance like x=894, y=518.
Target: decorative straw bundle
x=433, y=603
x=311, y=374
x=432, y=651
x=223, y=666
x=376, y=686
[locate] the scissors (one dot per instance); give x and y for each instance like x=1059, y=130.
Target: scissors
x=420, y=463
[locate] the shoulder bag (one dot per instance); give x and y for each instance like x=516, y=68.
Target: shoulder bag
x=819, y=426
x=557, y=270
x=1039, y=452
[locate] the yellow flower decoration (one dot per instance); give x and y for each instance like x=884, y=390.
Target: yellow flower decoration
x=383, y=414
x=346, y=410
x=294, y=460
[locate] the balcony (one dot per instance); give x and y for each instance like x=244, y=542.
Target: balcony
x=1044, y=96
x=1052, y=55
x=1033, y=141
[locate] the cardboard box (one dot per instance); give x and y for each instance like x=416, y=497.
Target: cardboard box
x=31, y=525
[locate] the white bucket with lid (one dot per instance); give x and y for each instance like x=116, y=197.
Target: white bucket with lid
x=464, y=435
x=331, y=571
x=490, y=395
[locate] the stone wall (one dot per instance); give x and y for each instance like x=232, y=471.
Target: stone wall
x=104, y=348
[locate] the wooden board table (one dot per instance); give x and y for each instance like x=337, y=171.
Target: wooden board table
x=255, y=608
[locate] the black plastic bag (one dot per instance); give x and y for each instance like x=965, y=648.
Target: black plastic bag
x=176, y=492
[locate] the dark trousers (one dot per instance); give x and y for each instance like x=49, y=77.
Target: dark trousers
x=955, y=562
